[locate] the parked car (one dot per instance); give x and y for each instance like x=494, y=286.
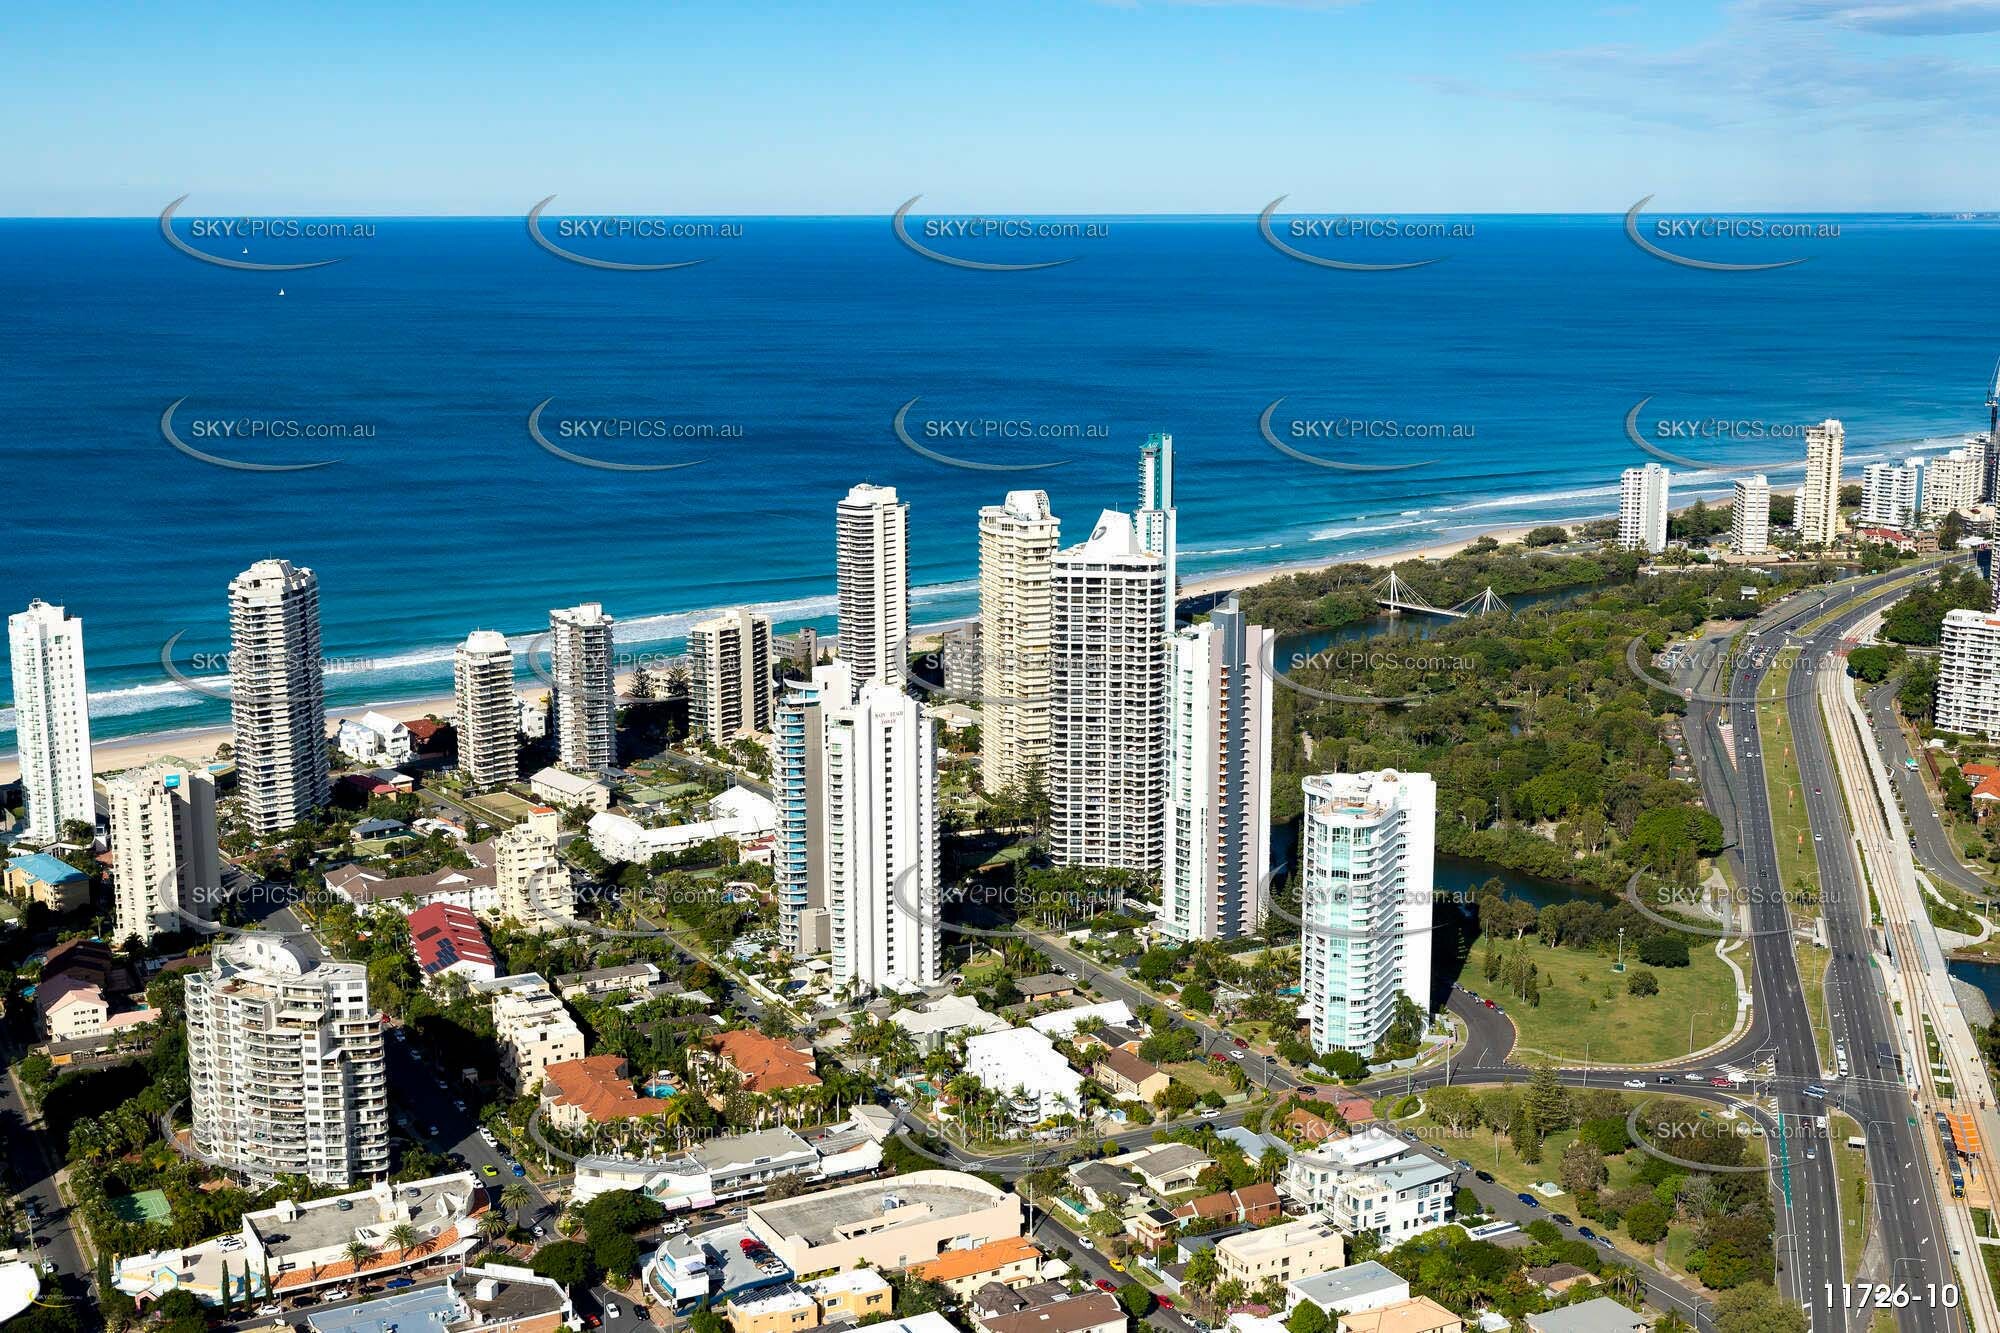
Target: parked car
x=398, y=1283
x=1528, y=1199
x=1105, y=1284
x=1561, y=1219
x=520, y=1170
x=488, y=1169
x=1483, y=1177
x=610, y=1310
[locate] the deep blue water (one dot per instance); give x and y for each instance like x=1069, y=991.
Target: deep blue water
x=806, y=336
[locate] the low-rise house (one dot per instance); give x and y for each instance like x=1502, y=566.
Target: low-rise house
x=1010, y=1261
x=1128, y=1078
x=932, y=1025
x=596, y=1090
x=49, y=880
x=1252, y=1205
x=608, y=980
x=1555, y=1279
x=1602, y=1315
x=1310, y=1127
x=449, y=941
x=838, y=1298
x=1153, y=1227
x=1091, y=1312
x=374, y=738
x=1065, y=1022
x=1108, y=1036
x=1046, y=986
x=1985, y=780
x=475, y=887
x=1102, y=1186
x=1165, y=1168
x=1419, y=1315
x=764, y=1064
x=1282, y=1253
x=560, y=787
x=1353, y=1290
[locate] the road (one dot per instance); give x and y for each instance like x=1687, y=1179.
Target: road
x=1933, y=844
x=31, y=1178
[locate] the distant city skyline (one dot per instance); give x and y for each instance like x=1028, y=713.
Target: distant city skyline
x=1065, y=106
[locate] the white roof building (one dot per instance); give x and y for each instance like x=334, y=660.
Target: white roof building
x=737, y=813
x=1023, y=1061
x=374, y=738
x=1114, y=1012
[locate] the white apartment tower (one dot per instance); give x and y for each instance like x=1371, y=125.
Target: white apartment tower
x=1819, y=500
x=1218, y=818
x=872, y=574
x=880, y=805
x=1892, y=494
x=166, y=867
x=285, y=1068
x=585, y=695
x=535, y=886
x=1642, y=509
x=51, y=719
x=1366, y=851
x=1157, y=519
x=277, y=695
x=729, y=680
x=1017, y=549
x=1750, y=515
x=798, y=786
x=1954, y=481
x=488, y=713
x=1107, y=701
x=1968, y=683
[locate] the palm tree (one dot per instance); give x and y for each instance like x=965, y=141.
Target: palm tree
x=492, y=1226
x=358, y=1253
x=405, y=1238
x=514, y=1197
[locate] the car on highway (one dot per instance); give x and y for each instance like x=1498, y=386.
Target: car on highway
x=1635, y=1082
x=1236, y=1055
x=1719, y=1082
x=1242, y=1045
x=1814, y=1091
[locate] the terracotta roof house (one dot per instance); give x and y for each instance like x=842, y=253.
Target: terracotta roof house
x=1011, y=1261
x=1985, y=780
x=765, y=1063
x=594, y=1090
x=447, y=939
x=1253, y=1204
x=1308, y=1127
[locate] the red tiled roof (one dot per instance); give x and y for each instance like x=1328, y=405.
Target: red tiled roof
x=766, y=1063
x=991, y=1257
x=443, y=933
x=598, y=1086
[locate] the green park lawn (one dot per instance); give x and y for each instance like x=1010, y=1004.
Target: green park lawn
x=1494, y=1153
x=1695, y=1003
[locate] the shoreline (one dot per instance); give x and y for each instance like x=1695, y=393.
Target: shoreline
x=198, y=745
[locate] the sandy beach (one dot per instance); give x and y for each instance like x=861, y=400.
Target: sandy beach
x=199, y=745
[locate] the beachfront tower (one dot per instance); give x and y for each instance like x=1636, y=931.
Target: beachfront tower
x=585, y=694
x=1017, y=550
x=488, y=713
x=1750, y=515
x=1107, y=704
x=1819, y=500
x=51, y=719
x=1157, y=518
x=729, y=681
x=1642, y=509
x=1217, y=836
x=872, y=583
x=881, y=849
x=277, y=695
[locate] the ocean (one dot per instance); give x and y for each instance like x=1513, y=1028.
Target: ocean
x=775, y=371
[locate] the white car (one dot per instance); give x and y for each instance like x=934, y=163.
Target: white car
x=610, y=1311
x=673, y=1228
x=1635, y=1083
x=1210, y=1114
x=269, y=1310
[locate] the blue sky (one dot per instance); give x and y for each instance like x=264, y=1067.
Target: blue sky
x=1056, y=106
